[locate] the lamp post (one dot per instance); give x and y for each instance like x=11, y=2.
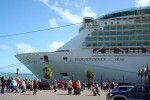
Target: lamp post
x=17, y=74
x=141, y=74
x=101, y=78
x=148, y=74
x=123, y=80
x=145, y=73
x=72, y=77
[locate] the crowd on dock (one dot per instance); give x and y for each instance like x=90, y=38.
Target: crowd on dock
x=74, y=88
x=11, y=84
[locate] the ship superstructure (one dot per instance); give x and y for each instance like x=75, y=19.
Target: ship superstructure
x=113, y=46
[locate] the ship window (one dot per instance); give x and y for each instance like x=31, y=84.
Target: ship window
x=64, y=74
x=65, y=58
x=41, y=58
x=62, y=51
x=88, y=20
x=111, y=22
x=27, y=59
x=45, y=58
x=105, y=22
x=117, y=22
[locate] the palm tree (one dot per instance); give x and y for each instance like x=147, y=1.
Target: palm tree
x=48, y=74
x=90, y=75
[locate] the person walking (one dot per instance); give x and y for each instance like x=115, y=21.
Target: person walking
x=23, y=87
x=55, y=85
x=75, y=87
x=97, y=88
x=8, y=84
x=3, y=85
x=69, y=86
x=34, y=87
x=14, y=85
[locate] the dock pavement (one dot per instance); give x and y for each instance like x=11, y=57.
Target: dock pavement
x=51, y=95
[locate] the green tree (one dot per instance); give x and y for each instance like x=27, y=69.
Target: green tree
x=90, y=75
x=48, y=74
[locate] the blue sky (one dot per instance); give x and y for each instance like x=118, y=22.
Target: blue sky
x=19, y=16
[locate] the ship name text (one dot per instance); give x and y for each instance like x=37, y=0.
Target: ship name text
x=99, y=59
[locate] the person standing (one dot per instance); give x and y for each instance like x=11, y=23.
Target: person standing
x=69, y=86
x=3, y=85
x=93, y=88
x=75, y=87
x=65, y=85
x=14, y=85
x=97, y=88
x=23, y=87
x=9, y=84
x=34, y=87
x=55, y=85
x=79, y=88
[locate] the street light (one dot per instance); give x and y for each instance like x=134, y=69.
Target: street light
x=148, y=74
x=139, y=73
x=17, y=74
x=142, y=74
x=72, y=76
x=123, y=79
x=145, y=73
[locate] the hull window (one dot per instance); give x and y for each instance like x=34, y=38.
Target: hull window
x=45, y=58
x=65, y=58
x=27, y=59
x=64, y=74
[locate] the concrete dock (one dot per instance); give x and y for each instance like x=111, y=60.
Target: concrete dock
x=50, y=95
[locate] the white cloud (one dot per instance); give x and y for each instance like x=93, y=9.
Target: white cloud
x=66, y=13
x=141, y=3
x=25, y=48
x=53, y=22
x=55, y=45
x=87, y=12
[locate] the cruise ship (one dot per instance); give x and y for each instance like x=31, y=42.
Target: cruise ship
x=112, y=46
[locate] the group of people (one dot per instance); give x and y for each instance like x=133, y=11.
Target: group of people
x=70, y=86
x=76, y=87
x=10, y=84
x=13, y=84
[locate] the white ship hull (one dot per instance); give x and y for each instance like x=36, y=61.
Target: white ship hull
x=106, y=67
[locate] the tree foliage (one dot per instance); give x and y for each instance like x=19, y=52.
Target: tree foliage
x=48, y=74
x=90, y=75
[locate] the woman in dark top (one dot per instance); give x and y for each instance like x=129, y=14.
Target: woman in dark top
x=3, y=85
x=34, y=87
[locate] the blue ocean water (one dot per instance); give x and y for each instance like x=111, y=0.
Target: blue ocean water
x=21, y=75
